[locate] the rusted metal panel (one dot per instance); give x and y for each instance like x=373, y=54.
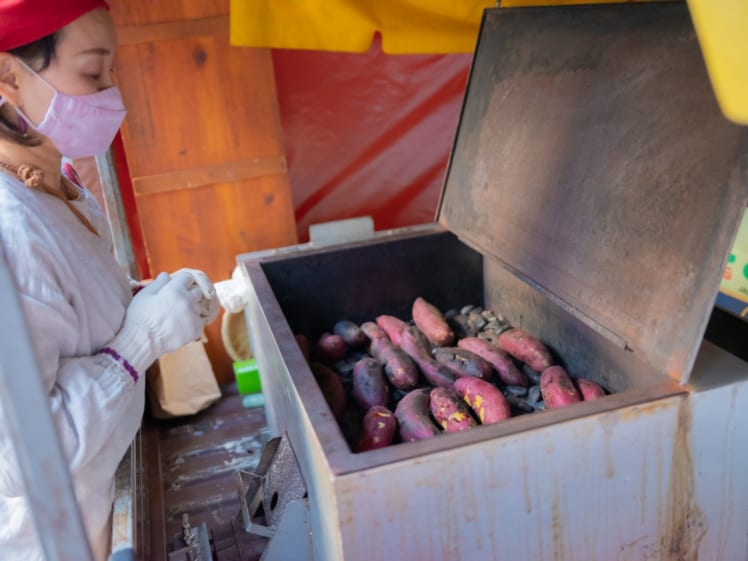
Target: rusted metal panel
x=592, y=161
x=661, y=481
x=580, y=490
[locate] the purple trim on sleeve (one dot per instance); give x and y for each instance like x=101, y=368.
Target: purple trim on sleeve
x=119, y=358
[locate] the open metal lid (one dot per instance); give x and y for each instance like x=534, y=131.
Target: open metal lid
x=592, y=160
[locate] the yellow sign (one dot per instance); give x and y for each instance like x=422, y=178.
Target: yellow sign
x=735, y=279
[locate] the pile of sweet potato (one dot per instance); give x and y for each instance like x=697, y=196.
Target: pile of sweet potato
x=389, y=380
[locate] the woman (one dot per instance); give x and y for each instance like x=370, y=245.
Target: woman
x=93, y=339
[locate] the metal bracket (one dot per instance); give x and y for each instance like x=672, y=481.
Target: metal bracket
x=193, y=544
x=293, y=536
x=272, y=488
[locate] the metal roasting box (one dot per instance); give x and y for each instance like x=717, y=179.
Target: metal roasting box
x=593, y=193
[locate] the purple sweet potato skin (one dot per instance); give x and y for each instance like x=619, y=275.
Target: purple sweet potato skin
x=463, y=362
x=400, y=369
x=330, y=348
x=557, y=388
x=412, y=413
x=501, y=362
x=350, y=332
x=431, y=322
x=369, y=383
x=378, y=429
x=449, y=410
x=435, y=373
x=392, y=326
x=589, y=390
x=523, y=346
x=415, y=343
x=485, y=399
x=331, y=386
x=304, y=344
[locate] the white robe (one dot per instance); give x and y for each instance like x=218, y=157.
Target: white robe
x=74, y=296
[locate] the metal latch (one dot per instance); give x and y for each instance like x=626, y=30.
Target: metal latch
x=193, y=544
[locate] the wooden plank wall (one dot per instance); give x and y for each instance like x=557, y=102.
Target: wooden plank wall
x=203, y=141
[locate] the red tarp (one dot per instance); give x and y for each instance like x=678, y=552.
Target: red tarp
x=368, y=134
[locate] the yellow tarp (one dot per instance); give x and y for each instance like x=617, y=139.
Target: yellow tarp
x=407, y=26
x=451, y=26
x=722, y=29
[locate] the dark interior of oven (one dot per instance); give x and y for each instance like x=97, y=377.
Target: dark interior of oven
x=360, y=281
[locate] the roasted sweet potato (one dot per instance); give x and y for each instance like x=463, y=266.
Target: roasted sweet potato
x=373, y=331
x=392, y=326
x=369, y=383
x=523, y=346
x=400, y=369
x=436, y=373
x=485, y=399
x=378, y=429
x=331, y=386
x=329, y=349
x=557, y=388
x=415, y=343
x=463, y=362
x=589, y=390
x=431, y=322
x=508, y=373
x=350, y=332
x=412, y=413
x=304, y=344
x=449, y=410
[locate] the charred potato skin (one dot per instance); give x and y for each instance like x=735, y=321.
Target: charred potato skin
x=412, y=413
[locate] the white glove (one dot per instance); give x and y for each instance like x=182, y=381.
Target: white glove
x=209, y=302
x=233, y=294
x=165, y=315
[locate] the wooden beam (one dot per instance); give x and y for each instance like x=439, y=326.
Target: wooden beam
x=208, y=175
x=171, y=30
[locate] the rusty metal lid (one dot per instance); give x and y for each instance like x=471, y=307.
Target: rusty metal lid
x=592, y=160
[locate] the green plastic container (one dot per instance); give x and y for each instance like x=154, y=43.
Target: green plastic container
x=247, y=377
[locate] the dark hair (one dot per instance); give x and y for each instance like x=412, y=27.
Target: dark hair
x=38, y=55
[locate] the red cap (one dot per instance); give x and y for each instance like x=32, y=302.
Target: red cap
x=24, y=21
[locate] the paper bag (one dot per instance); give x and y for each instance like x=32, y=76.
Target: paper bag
x=182, y=382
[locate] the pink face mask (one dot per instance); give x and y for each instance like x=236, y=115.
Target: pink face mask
x=81, y=125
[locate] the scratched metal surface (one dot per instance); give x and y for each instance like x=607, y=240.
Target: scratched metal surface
x=592, y=160
x=191, y=464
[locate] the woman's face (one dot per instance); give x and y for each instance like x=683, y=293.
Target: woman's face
x=82, y=64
